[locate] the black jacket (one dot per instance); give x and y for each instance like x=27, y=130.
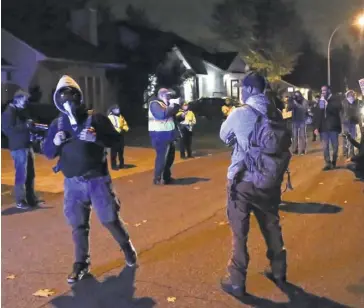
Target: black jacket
x=81, y=158
x=327, y=119
x=14, y=126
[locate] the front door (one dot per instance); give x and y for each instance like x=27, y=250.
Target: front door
x=234, y=88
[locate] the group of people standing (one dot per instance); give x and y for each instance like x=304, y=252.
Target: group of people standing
x=329, y=117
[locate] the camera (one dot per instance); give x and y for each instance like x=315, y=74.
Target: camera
x=38, y=132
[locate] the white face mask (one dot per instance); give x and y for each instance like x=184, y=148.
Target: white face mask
x=351, y=99
x=67, y=107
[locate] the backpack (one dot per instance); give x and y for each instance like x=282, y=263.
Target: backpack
x=268, y=154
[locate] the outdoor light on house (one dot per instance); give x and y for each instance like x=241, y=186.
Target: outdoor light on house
x=360, y=20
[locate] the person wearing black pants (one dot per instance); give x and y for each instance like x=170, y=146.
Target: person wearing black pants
x=121, y=126
x=187, y=120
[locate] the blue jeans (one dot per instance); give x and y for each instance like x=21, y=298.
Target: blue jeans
x=79, y=194
x=348, y=148
x=24, y=176
x=327, y=138
x=299, y=135
x=165, y=153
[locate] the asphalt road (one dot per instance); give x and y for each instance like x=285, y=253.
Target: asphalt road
x=183, y=241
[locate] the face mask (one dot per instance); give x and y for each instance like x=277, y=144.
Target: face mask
x=245, y=94
x=116, y=111
x=351, y=99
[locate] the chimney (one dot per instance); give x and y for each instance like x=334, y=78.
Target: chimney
x=84, y=24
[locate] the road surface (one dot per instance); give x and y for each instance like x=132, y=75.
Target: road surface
x=184, y=241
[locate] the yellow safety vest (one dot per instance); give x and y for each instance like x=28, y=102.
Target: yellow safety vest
x=155, y=125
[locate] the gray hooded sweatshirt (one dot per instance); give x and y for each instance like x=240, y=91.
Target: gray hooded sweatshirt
x=241, y=123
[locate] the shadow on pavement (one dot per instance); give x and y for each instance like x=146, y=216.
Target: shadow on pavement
x=298, y=298
x=189, y=181
x=357, y=289
x=116, y=291
x=13, y=210
x=309, y=208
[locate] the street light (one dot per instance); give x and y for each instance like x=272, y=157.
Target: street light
x=360, y=23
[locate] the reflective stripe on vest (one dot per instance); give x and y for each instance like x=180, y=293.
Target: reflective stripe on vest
x=155, y=125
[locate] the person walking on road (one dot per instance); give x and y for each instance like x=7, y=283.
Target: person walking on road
x=350, y=119
x=79, y=140
x=327, y=123
x=252, y=191
x=163, y=134
x=121, y=126
x=187, y=121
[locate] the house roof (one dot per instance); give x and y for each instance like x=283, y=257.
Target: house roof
x=59, y=43
x=193, y=54
x=222, y=60
x=4, y=62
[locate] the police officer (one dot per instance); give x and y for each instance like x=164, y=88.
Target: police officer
x=162, y=131
x=121, y=126
x=17, y=125
x=79, y=140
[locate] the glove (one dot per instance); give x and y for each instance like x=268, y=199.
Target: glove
x=346, y=135
x=59, y=138
x=88, y=135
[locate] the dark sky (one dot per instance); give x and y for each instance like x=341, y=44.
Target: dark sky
x=190, y=18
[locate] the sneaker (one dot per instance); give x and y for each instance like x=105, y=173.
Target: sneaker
x=168, y=181
x=36, y=203
x=23, y=206
x=80, y=269
x=130, y=254
x=334, y=164
x=234, y=290
x=327, y=167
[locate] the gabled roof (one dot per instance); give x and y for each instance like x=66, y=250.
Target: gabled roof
x=192, y=53
x=59, y=43
x=222, y=60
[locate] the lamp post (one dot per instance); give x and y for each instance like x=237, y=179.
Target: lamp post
x=359, y=22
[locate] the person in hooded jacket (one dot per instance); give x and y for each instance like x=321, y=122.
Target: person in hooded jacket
x=264, y=203
x=79, y=140
x=121, y=126
x=17, y=125
x=350, y=118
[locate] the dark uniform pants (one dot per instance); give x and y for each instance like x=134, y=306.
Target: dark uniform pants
x=186, y=142
x=24, y=175
x=165, y=153
x=79, y=194
x=117, y=150
x=243, y=200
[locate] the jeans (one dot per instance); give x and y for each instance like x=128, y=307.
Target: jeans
x=299, y=137
x=327, y=138
x=186, y=143
x=165, y=153
x=24, y=176
x=348, y=148
x=264, y=204
x=79, y=194
x=117, y=150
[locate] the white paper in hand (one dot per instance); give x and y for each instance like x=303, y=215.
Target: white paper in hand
x=174, y=101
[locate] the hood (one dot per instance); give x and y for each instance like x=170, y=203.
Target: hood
x=65, y=81
x=259, y=102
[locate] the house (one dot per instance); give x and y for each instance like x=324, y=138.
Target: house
x=39, y=56
x=209, y=75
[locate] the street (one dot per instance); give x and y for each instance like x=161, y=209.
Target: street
x=183, y=240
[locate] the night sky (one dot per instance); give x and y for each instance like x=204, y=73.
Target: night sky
x=190, y=18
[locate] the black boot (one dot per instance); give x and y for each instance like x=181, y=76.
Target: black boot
x=80, y=269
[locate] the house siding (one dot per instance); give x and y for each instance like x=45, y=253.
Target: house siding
x=212, y=84
x=21, y=56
